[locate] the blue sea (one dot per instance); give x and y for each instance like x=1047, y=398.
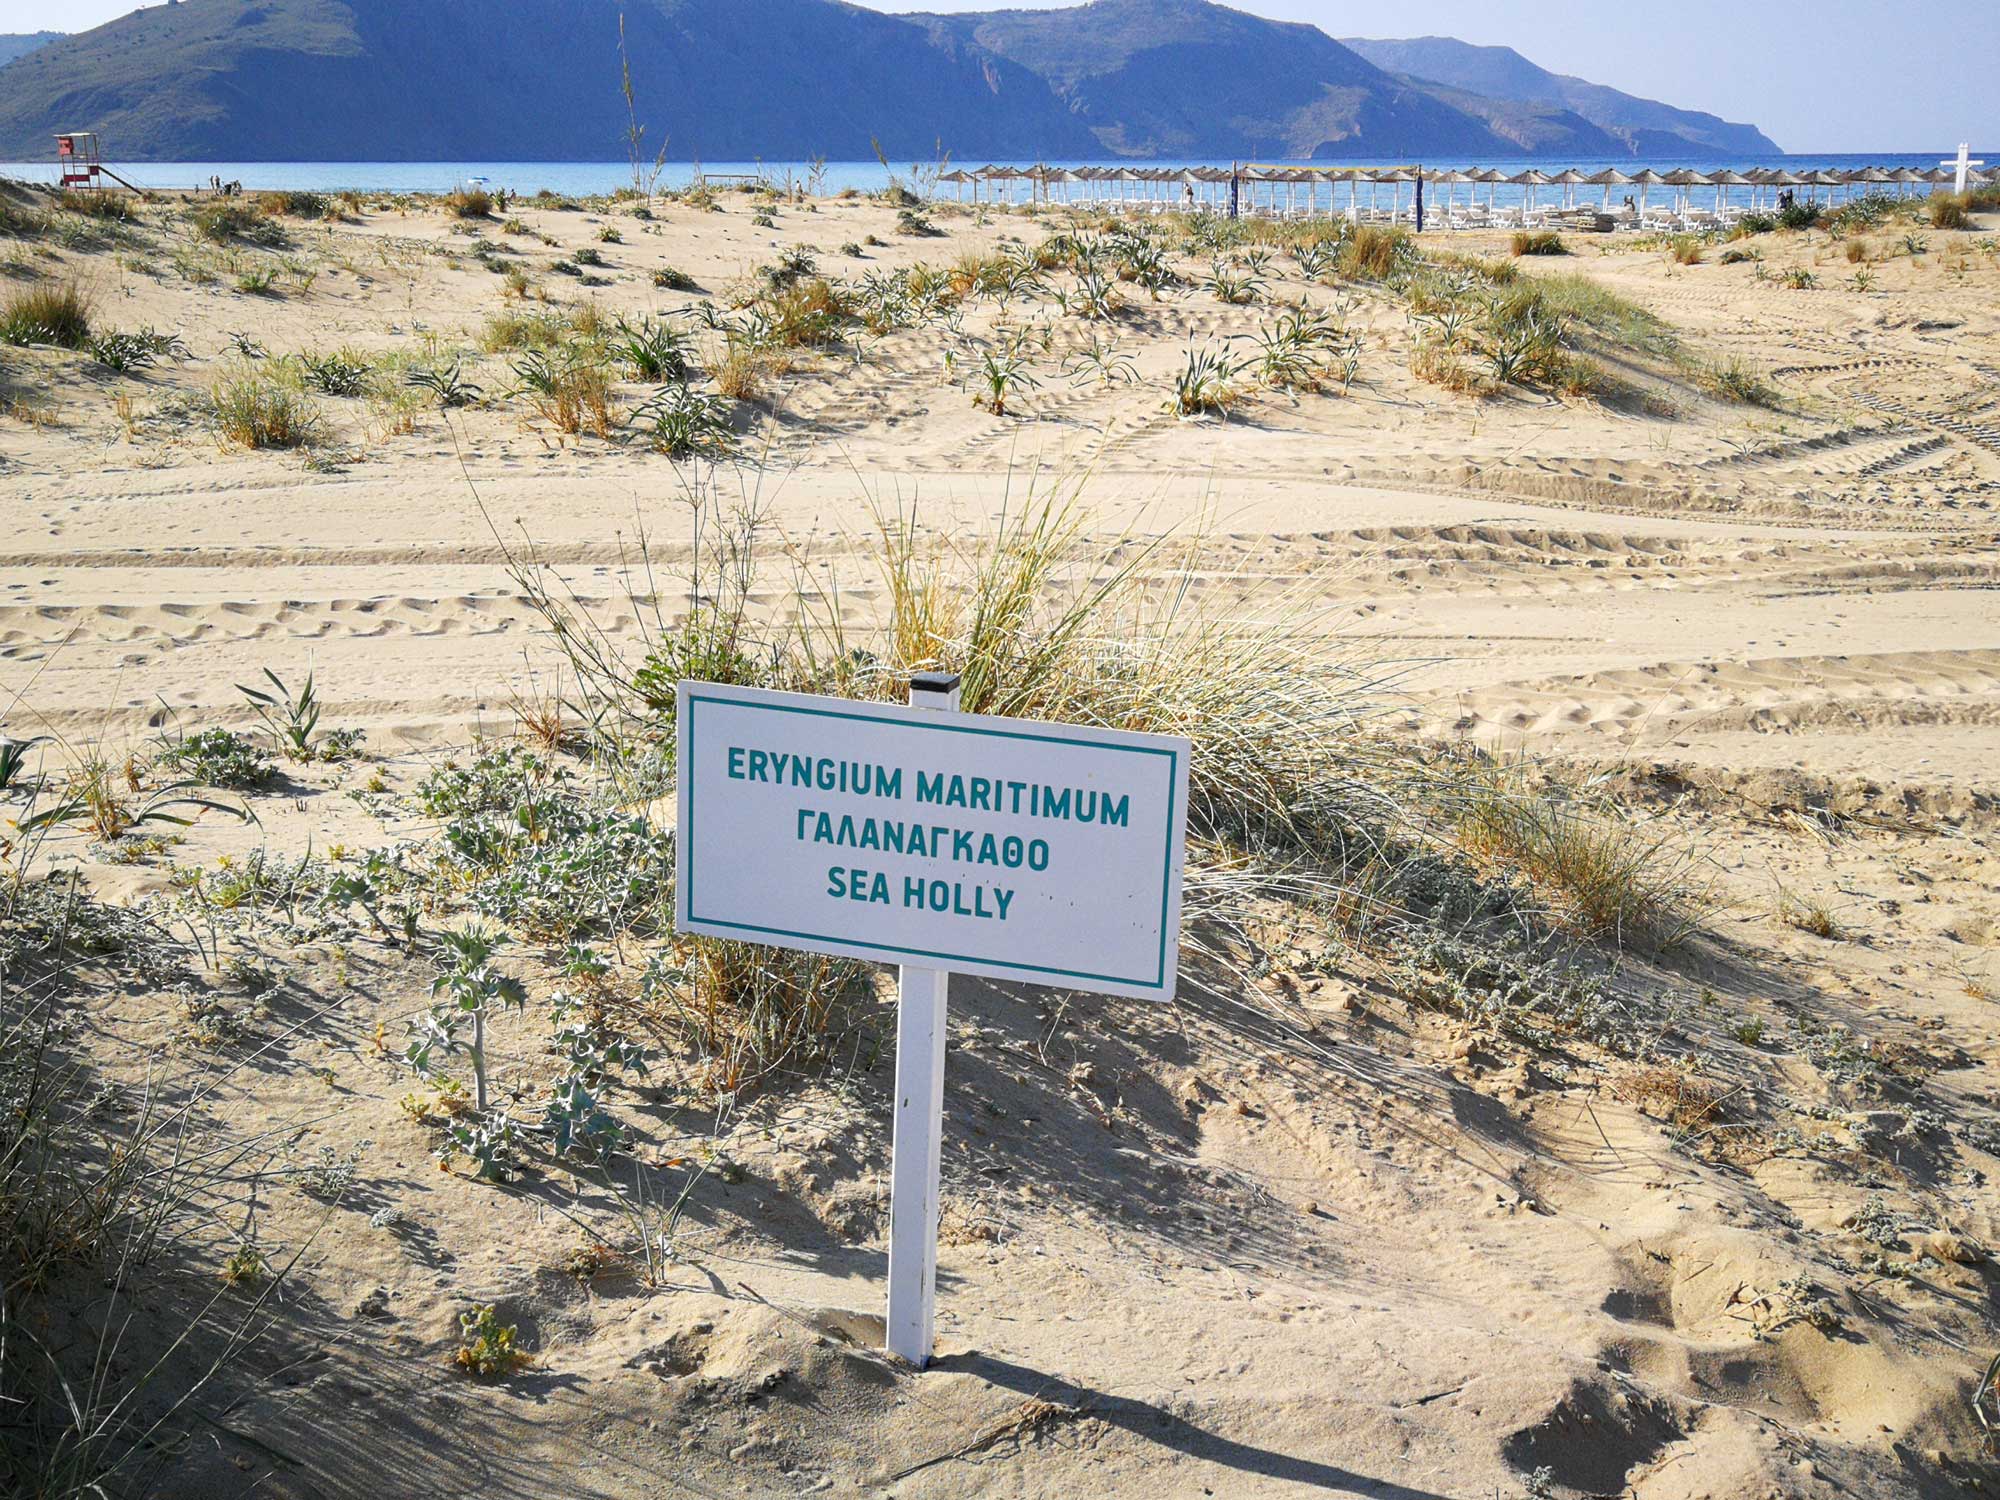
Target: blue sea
x=578, y=179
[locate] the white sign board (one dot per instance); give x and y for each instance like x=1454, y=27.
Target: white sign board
x=1045, y=853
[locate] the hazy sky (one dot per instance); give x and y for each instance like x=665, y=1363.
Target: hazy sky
x=1817, y=75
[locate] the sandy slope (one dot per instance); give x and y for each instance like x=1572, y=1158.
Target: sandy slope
x=1304, y=1241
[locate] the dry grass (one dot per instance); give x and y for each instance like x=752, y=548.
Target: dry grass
x=543, y=717
x=1290, y=790
x=739, y=373
x=1537, y=242
x=747, y=1012
x=469, y=203
x=1809, y=914
x=1949, y=213
x=1608, y=877
x=1672, y=1095
x=1434, y=363
x=578, y=401
x=114, y=207
x=1371, y=253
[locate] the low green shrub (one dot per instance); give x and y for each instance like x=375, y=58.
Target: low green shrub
x=219, y=757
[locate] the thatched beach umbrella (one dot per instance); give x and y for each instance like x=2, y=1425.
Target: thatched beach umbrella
x=1647, y=179
x=1680, y=180
x=1725, y=180
x=1451, y=180
x=1608, y=179
x=1569, y=179
x=1395, y=179
x=1530, y=180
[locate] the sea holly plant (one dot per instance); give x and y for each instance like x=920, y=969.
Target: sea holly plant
x=463, y=996
x=574, y=1115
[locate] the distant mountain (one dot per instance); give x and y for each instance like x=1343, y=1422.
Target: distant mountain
x=538, y=80
x=1642, y=127
x=1167, y=78
x=15, y=44
x=527, y=80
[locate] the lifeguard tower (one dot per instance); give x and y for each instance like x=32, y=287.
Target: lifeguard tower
x=80, y=163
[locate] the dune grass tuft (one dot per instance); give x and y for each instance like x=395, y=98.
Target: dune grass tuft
x=1735, y=380
x=51, y=313
x=252, y=410
x=1372, y=253
x=1949, y=213
x=1537, y=242
x=1608, y=877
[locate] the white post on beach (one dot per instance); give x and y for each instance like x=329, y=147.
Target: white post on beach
x=919, y=1122
x=1965, y=163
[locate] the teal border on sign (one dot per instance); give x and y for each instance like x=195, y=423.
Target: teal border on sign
x=945, y=726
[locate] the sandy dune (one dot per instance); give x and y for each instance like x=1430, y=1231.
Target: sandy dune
x=1307, y=1242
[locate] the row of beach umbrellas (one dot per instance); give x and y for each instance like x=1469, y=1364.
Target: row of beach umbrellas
x=1164, y=183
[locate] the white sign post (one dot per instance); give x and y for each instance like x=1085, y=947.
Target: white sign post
x=919, y=1125
x=943, y=841
x=1965, y=163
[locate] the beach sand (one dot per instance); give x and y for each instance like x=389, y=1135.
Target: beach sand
x=1308, y=1241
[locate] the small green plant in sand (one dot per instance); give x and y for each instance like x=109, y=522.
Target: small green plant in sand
x=340, y=373
x=218, y=757
x=997, y=373
x=292, y=718
x=127, y=352
x=445, y=384
x=570, y=391
x=245, y=1266
x=487, y=1349
x=1231, y=285
x=652, y=349
x=1206, y=383
x=108, y=799
x=684, y=423
x=464, y=995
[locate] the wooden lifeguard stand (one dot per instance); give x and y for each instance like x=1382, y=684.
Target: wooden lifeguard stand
x=81, y=164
